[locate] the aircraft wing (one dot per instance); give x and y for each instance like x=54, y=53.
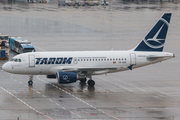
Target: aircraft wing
x=84, y=70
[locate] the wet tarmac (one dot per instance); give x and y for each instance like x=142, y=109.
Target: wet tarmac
x=147, y=93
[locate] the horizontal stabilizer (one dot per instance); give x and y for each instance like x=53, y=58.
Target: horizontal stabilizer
x=160, y=56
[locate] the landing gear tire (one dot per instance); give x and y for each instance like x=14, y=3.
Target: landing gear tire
x=83, y=81
x=91, y=82
x=30, y=82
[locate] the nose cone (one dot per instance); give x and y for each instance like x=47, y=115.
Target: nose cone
x=6, y=67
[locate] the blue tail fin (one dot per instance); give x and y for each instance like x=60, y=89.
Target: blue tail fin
x=155, y=39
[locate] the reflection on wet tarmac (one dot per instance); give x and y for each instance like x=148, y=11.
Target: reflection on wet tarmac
x=70, y=88
x=30, y=91
x=82, y=86
x=91, y=89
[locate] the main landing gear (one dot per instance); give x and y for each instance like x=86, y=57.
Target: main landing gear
x=90, y=81
x=83, y=80
x=30, y=82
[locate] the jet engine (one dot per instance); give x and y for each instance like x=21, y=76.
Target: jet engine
x=68, y=77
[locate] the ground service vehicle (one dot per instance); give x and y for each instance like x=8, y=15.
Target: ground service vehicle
x=20, y=46
x=3, y=39
x=7, y=43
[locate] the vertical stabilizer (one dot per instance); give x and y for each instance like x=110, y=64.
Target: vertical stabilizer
x=155, y=39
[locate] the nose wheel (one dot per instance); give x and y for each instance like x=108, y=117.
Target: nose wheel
x=30, y=82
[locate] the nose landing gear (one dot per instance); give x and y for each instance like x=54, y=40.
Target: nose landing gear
x=30, y=82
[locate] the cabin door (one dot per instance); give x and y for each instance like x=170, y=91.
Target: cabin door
x=75, y=60
x=31, y=61
x=133, y=59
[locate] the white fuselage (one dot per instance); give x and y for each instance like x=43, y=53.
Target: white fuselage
x=94, y=62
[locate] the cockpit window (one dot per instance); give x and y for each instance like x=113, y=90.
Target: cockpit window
x=12, y=60
x=16, y=60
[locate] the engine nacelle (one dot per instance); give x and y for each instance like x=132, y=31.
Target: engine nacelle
x=66, y=77
x=51, y=76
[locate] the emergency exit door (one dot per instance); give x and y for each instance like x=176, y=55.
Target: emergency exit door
x=133, y=58
x=31, y=61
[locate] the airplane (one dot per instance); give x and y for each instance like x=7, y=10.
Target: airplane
x=70, y=66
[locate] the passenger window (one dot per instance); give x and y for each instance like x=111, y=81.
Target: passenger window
x=119, y=58
x=116, y=59
x=19, y=60
x=110, y=59
x=125, y=58
x=93, y=59
x=113, y=59
x=101, y=59
x=104, y=59
x=90, y=59
x=107, y=59
x=122, y=58
x=84, y=59
x=78, y=59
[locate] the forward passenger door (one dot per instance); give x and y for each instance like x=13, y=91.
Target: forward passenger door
x=31, y=61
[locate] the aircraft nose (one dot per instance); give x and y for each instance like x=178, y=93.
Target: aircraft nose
x=6, y=67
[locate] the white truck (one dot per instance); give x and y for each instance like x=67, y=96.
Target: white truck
x=77, y=2
x=91, y=3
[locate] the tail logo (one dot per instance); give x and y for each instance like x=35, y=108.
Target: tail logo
x=154, y=40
